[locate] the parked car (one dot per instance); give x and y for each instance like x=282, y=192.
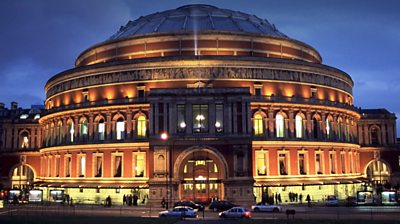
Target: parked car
x=221, y=206
x=265, y=207
x=180, y=211
x=191, y=204
x=235, y=212
x=351, y=201
x=331, y=200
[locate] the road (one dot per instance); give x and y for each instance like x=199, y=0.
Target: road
x=302, y=212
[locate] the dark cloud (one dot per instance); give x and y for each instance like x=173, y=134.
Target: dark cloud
x=40, y=38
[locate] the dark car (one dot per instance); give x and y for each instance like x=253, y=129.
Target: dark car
x=351, y=201
x=221, y=205
x=191, y=204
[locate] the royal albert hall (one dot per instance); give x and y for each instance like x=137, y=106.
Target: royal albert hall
x=198, y=103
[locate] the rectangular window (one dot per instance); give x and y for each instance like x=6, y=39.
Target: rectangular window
x=117, y=166
x=140, y=165
x=283, y=164
x=332, y=163
x=257, y=91
x=58, y=163
x=200, y=118
x=302, y=164
x=181, y=118
x=318, y=163
x=81, y=165
x=219, y=118
x=98, y=169
x=239, y=163
x=261, y=165
x=68, y=163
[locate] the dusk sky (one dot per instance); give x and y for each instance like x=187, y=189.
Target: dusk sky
x=42, y=38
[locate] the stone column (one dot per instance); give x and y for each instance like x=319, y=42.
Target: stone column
x=91, y=127
x=291, y=124
x=271, y=123
x=109, y=125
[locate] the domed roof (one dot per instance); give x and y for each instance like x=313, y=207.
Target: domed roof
x=197, y=18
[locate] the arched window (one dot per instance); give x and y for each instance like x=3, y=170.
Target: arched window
x=258, y=125
x=120, y=129
x=141, y=126
x=280, y=126
x=328, y=128
x=315, y=128
x=59, y=133
x=340, y=129
x=299, y=126
x=374, y=136
x=52, y=135
x=83, y=128
x=347, y=131
x=101, y=129
x=71, y=131
x=24, y=140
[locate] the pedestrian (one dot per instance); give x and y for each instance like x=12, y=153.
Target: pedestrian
x=308, y=199
x=124, y=200
x=163, y=203
x=301, y=198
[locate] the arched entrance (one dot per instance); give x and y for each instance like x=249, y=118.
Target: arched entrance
x=201, y=172
x=22, y=177
x=378, y=172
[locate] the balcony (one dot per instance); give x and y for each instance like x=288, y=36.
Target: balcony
x=300, y=100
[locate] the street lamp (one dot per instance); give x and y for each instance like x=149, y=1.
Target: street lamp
x=164, y=137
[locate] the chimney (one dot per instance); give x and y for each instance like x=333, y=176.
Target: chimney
x=14, y=105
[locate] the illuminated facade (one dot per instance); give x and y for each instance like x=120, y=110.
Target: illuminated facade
x=247, y=113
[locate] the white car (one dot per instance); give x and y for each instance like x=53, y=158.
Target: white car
x=235, y=212
x=179, y=211
x=265, y=207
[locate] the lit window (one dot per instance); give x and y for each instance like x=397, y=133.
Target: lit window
x=120, y=127
x=219, y=118
x=280, y=126
x=200, y=118
x=258, y=124
x=117, y=166
x=25, y=141
x=299, y=126
x=318, y=163
x=83, y=128
x=140, y=165
x=332, y=163
x=328, y=128
x=340, y=130
x=141, y=126
x=101, y=130
x=98, y=169
x=185, y=168
x=215, y=168
x=37, y=116
x=24, y=116
x=71, y=131
x=260, y=163
x=82, y=165
x=181, y=118
x=283, y=164
x=68, y=166
x=302, y=164
x=59, y=133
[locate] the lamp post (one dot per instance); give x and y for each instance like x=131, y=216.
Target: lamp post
x=164, y=137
